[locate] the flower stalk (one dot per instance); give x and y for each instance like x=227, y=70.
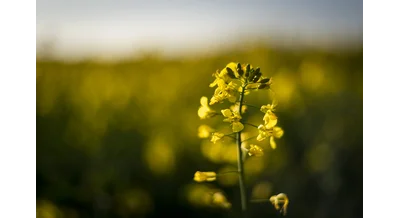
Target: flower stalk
x=233, y=83
x=242, y=186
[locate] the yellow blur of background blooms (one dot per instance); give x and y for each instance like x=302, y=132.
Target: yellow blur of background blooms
x=119, y=139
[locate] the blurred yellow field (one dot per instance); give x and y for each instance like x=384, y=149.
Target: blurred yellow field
x=120, y=139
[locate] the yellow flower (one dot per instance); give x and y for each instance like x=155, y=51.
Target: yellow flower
x=281, y=202
x=205, y=176
x=204, y=131
x=234, y=118
x=216, y=136
x=256, y=151
x=275, y=132
x=224, y=91
x=224, y=75
x=235, y=108
x=268, y=107
x=246, y=90
x=219, y=199
x=270, y=119
x=205, y=111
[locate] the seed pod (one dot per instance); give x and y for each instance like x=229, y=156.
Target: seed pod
x=231, y=74
x=266, y=80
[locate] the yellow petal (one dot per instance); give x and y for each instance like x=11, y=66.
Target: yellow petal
x=272, y=142
x=202, y=112
x=216, y=136
x=278, y=132
x=260, y=137
x=274, y=104
x=214, y=83
x=256, y=151
x=244, y=108
x=232, y=99
x=226, y=112
x=204, y=101
x=264, y=108
x=237, y=126
x=271, y=123
x=232, y=65
x=204, y=131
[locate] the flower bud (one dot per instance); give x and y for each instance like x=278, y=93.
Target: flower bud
x=239, y=69
x=257, y=76
x=266, y=80
x=263, y=86
x=205, y=176
x=248, y=68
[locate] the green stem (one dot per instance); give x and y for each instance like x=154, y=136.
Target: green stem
x=251, y=125
x=243, y=195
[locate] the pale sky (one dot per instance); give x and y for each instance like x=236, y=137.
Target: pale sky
x=96, y=27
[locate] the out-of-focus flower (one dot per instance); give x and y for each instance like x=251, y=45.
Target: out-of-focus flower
x=216, y=136
x=281, y=202
x=204, y=131
x=255, y=150
x=220, y=200
x=205, y=111
x=235, y=108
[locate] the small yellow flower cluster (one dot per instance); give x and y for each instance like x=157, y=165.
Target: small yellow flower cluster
x=224, y=91
x=269, y=128
x=234, y=118
x=281, y=202
x=216, y=136
x=256, y=150
x=226, y=82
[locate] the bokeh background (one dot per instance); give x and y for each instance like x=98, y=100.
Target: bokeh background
x=119, y=85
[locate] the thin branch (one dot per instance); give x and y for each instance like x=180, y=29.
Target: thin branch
x=248, y=139
x=251, y=125
x=249, y=105
x=242, y=186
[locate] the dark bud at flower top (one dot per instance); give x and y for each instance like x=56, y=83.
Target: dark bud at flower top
x=266, y=80
x=263, y=86
x=247, y=70
x=257, y=75
x=239, y=69
x=231, y=74
x=252, y=75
